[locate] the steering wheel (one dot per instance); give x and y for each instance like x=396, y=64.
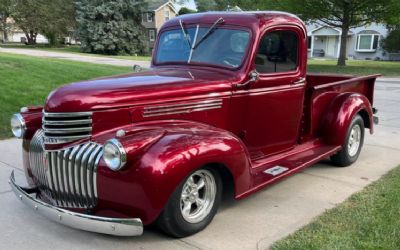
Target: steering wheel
x=231, y=61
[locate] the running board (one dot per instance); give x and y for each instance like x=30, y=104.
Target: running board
x=277, y=168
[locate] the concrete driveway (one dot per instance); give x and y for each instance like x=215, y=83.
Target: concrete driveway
x=77, y=57
x=255, y=222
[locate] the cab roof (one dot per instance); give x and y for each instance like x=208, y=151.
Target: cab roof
x=251, y=19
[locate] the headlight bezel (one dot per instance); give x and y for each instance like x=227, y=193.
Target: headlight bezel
x=114, y=161
x=19, y=130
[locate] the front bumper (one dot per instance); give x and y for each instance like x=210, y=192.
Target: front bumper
x=105, y=225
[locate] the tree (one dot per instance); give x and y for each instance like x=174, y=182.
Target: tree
x=111, y=27
x=206, y=5
x=343, y=14
x=185, y=10
x=6, y=7
x=392, y=41
x=48, y=17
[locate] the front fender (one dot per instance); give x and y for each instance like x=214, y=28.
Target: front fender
x=143, y=188
x=340, y=114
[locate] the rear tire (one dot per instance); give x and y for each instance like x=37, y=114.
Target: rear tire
x=193, y=204
x=353, y=144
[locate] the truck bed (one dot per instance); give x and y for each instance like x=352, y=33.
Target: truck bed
x=323, y=88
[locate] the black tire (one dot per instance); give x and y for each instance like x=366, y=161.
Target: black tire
x=344, y=158
x=171, y=220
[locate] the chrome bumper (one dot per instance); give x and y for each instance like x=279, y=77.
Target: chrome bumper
x=105, y=225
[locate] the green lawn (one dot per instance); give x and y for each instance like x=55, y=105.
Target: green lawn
x=70, y=49
x=28, y=80
x=354, y=67
x=367, y=220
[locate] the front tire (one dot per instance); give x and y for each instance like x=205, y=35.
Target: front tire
x=193, y=204
x=352, y=146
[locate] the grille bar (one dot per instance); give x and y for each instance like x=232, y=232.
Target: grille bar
x=66, y=177
x=66, y=127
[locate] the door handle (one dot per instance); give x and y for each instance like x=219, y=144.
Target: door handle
x=300, y=81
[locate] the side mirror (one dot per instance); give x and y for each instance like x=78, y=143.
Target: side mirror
x=253, y=77
x=136, y=68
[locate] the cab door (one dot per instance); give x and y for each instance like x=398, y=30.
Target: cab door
x=274, y=105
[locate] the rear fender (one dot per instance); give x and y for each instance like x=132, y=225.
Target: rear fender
x=172, y=153
x=340, y=114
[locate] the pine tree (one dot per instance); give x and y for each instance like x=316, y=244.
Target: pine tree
x=111, y=27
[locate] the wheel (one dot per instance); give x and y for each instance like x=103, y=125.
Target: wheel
x=352, y=146
x=193, y=204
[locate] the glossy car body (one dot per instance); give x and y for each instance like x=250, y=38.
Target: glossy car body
x=177, y=118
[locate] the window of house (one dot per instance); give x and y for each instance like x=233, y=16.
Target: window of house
x=278, y=52
x=367, y=42
x=150, y=17
x=166, y=15
x=309, y=41
x=152, y=35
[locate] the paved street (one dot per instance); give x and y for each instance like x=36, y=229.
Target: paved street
x=77, y=57
x=252, y=223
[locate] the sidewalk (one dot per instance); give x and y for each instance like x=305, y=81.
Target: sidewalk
x=255, y=222
x=77, y=57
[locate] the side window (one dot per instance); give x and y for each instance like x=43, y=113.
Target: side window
x=278, y=52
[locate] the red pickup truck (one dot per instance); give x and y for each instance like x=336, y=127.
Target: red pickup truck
x=226, y=104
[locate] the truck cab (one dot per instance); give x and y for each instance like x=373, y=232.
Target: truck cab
x=227, y=103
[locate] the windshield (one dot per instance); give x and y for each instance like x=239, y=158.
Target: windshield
x=223, y=47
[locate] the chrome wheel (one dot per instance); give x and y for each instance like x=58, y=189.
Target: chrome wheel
x=198, y=196
x=354, y=141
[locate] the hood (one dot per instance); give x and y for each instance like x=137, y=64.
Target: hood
x=135, y=88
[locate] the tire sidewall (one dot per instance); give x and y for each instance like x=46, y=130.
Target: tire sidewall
x=178, y=226
x=356, y=120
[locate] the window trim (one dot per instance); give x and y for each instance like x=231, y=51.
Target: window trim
x=371, y=47
x=152, y=31
x=150, y=17
x=300, y=36
x=167, y=16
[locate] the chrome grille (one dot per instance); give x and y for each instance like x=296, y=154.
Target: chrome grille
x=66, y=177
x=66, y=127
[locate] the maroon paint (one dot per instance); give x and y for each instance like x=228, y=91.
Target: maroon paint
x=271, y=122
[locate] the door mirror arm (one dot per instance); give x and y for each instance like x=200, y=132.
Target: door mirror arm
x=253, y=77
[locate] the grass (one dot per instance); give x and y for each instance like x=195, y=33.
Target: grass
x=362, y=67
x=354, y=67
x=27, y=81
x=367, y=220
x=75, y=49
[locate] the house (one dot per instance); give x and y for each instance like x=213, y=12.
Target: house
x=156, y=14
x=363, y=43
x=16, y=35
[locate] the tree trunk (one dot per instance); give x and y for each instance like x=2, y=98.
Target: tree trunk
x=4, y=26
x=343, y=47
x=345, y=31
x=31, y=37
x=5, y=35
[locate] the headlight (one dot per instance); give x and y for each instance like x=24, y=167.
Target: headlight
x=114, y=154
x=18, y=126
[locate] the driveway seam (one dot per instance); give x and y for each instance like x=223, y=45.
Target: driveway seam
x=383, y=146
x=190, y=244
x=8, y=165
x=4, y=192
x=332, y=179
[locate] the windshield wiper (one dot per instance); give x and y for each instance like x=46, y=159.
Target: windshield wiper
x=194, y=43
x=209, y=31
x=185, y=34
